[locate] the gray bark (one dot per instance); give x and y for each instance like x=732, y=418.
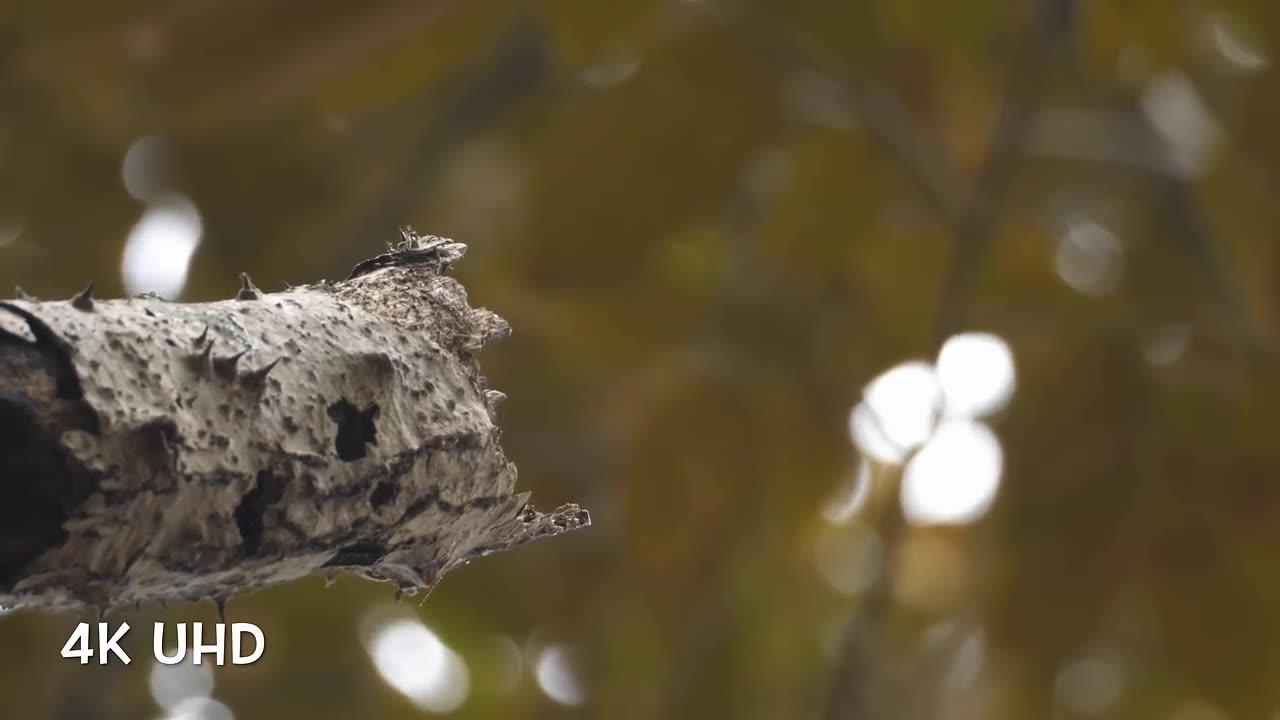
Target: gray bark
x=153, y=450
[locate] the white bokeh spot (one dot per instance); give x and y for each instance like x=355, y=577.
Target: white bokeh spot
x=145, y=167
x=413, y=660
x=198, y=708
x=1189, y=128
x=1089, y=258
x=954, y=478
x=557, y=677
x=157, y=256
x=977, y=375
x=1237, y=46
x=1091, y=686
x=897, y=413
x=172, y=685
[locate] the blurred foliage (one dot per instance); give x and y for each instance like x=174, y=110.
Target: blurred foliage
x=710, y=224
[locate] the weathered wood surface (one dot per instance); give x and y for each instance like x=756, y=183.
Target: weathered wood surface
x=153, y=450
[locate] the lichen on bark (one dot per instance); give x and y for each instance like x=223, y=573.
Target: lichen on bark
x=154, y=450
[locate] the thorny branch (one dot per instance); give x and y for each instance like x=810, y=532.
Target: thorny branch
x=153, y=450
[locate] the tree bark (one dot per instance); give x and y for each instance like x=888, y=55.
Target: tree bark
x=153, y=450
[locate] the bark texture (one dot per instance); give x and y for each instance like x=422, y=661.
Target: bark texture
x=152, y=450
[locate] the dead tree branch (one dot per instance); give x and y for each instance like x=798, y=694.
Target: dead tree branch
x=153, y=450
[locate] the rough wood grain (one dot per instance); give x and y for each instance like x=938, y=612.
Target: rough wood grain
x=153, y=450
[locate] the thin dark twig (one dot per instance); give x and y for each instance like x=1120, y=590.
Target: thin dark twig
x=518, y=66
x=897, y=130
x=879, y=112
x=971, y=208
x=856, y=692
x=979, y=221
x=1175, y=200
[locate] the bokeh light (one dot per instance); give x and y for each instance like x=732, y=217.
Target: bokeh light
x=1091, y=685
x=416, y=663
x=931, y=573
x=10, y=231
x=505, y=664
x=976, y=373
x=851, y=497
x=171, y=685
x=157, y=256
x=1236, y=45
x=954, y=477
x=1089, y=258
x=557, y=676
x=968, y=660
x=1165, y=345
x=611, y=72
x=1180, y=116
x=199, y=709
x=848, y=559
x=898, y=411
x=146, y=169
x=1196, y=708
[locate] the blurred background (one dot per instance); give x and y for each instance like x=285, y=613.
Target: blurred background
x=915, y=359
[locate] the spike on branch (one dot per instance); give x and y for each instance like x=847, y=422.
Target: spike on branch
x=248, y=291
x=225, y=367
x=83, y=300
x=256, y=379
x=200, y=361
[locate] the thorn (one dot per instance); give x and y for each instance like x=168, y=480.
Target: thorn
x=20, y=294
x=83, y=300
x=254, y=380
x=248, y=291
x=225, y=367
x=137, y=606
x=201, y=362
x=99, y=613
x=220, y=602
x=399, y=595
x=204, y=336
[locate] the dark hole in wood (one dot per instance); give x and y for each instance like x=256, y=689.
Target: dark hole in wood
x=268, y=489
x=31, y=513
x=363, y=554
x=356, y=429
x=384, y=493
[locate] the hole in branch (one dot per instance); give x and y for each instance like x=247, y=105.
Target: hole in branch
x=356, y=429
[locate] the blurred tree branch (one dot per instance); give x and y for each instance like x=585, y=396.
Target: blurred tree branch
x=478, y=100
x=1028, y=69
x=878, y=110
